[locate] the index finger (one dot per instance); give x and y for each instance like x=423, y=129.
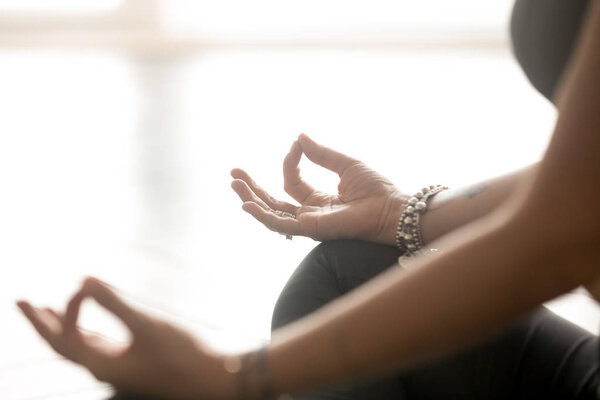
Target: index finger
x=324, y=156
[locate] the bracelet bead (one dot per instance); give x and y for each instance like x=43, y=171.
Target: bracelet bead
x=408, y=233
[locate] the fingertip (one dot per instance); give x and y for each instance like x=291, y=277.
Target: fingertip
x=27, y=309
x=248, y=206
x=304, y=137
x=241, y=188
x=22, y=304
x=89, y=281
x=92, y=285
x=238, y=173
x=307, y=144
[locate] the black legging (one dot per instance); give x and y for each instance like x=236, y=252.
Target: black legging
x=540, y=356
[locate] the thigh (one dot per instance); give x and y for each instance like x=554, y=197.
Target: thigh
x=540, y=356
x=329, y=271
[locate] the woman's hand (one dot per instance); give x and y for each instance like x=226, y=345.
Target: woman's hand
x=367, y=205
x=161, y=360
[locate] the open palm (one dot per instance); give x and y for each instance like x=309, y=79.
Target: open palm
x=364, y=207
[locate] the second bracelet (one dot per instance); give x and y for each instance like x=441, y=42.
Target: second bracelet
x=409, y=238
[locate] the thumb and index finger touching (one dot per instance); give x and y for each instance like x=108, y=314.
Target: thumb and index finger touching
x=61, y=331
x=103, y=294
x=321, y=155
x=100, y=359
x=106, y=296
x=324, y=156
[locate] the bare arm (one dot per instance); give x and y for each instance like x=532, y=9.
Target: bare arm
x=543, y=243
x=367, y=206
x=454, y=208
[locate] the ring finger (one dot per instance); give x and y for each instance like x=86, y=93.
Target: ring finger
x=246, y=194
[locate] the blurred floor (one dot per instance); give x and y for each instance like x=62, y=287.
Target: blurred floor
x=118, y=166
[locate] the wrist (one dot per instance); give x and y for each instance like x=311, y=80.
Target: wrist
x=248, y=374
x=409, y=235
x=393, y=208
x=221, y=384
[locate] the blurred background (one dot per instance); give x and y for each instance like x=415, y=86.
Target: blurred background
x=121, y=119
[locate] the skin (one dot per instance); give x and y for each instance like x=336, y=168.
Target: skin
x=363, y=195
x=542, y=241
x=368, y=205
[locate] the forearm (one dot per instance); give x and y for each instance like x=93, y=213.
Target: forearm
x=456, y=207
x=399, y=319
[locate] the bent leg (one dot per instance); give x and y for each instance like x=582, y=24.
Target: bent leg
x=329, y=271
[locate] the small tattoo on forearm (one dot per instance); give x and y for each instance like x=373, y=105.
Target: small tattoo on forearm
x=475, y=190
x=469, y=192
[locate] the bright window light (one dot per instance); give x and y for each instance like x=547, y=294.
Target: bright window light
x=226, y=17
x=59, y=6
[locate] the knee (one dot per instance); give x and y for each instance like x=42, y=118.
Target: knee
x=346, y=258
x=313, y=284
x=330, y=270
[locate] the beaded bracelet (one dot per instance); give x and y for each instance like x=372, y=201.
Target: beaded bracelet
x=407, y=261
x=408, y=233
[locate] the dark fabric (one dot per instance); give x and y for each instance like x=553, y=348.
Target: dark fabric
x=541, y=356
x=543, y=34
x=329, y=271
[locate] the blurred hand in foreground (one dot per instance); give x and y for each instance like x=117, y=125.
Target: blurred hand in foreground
x=161, y=360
